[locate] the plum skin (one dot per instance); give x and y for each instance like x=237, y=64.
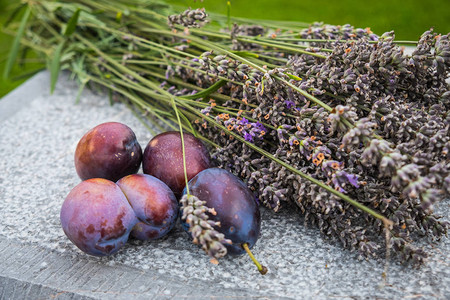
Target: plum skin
x=154, y=205
x=236, y=206
x=109, y=150
x=97, y=217
x=163, y=158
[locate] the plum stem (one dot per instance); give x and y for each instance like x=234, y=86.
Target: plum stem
x=262, y=269
x=182, y=144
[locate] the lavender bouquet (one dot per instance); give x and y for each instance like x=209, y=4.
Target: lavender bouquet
x=336, y=120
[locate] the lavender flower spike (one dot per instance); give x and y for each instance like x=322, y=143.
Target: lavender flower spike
x=201, y=228
x=189, y=18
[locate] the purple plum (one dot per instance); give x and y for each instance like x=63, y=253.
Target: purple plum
x=235, y=205
x=163, y=158
x=154, y=204
x=109, y=150
x=97, y=217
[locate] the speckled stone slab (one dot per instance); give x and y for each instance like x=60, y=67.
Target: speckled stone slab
x=38, y=136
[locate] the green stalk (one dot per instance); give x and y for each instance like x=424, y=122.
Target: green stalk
x=182, y=145
x=130, y=84
x=139, y=117
x=286, y=25
x=154, y=111
x=261, y=41
x=240, y=58
x=16, y=43
x=283, y=46
x=401, y=42
x=262, y=269
x=281, y=60
x=119, y=66
x=217, y=96
x=229, y=14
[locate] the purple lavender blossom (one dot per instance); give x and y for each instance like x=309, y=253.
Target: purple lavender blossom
x=244, y=121
x=341, y=178
x=352, y=179
x=260, y=126
x=337, y=184
x=330, y=166
x=293, y=140
x=373, y=37
x=289, y=104
x=248, y=137
x=247, y=129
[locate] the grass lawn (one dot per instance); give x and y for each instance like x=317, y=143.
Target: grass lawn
x=5, y=44
x=409, y=18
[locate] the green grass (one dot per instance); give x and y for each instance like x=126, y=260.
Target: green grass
x=5, y=42
x=408, y=18
x=16, y=78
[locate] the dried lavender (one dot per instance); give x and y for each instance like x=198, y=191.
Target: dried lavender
x=335, y=154
x=189, y=18
x=245, y=30
x=323, y=31
x=195, y=213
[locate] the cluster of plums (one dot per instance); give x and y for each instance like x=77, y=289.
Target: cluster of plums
x=113, y=202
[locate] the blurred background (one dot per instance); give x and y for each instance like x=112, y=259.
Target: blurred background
x=408, y=18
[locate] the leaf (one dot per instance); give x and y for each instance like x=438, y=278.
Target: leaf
x=217, y=85
x=80, y=90
x=72, y=24
x=291, y=76
x=16, y=44
x=13, y=14
x=55, y=65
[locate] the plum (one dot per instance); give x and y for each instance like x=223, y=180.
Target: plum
x=97, y=217
x=163, y=158
x=154, y=204
x=236, y=207
x=109, y=150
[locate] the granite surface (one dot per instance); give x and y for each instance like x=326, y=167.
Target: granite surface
x=38, y=136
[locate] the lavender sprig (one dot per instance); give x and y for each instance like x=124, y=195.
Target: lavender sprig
x=189, y=18
x=195, y=213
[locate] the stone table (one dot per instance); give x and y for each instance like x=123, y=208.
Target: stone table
x=38, y=136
